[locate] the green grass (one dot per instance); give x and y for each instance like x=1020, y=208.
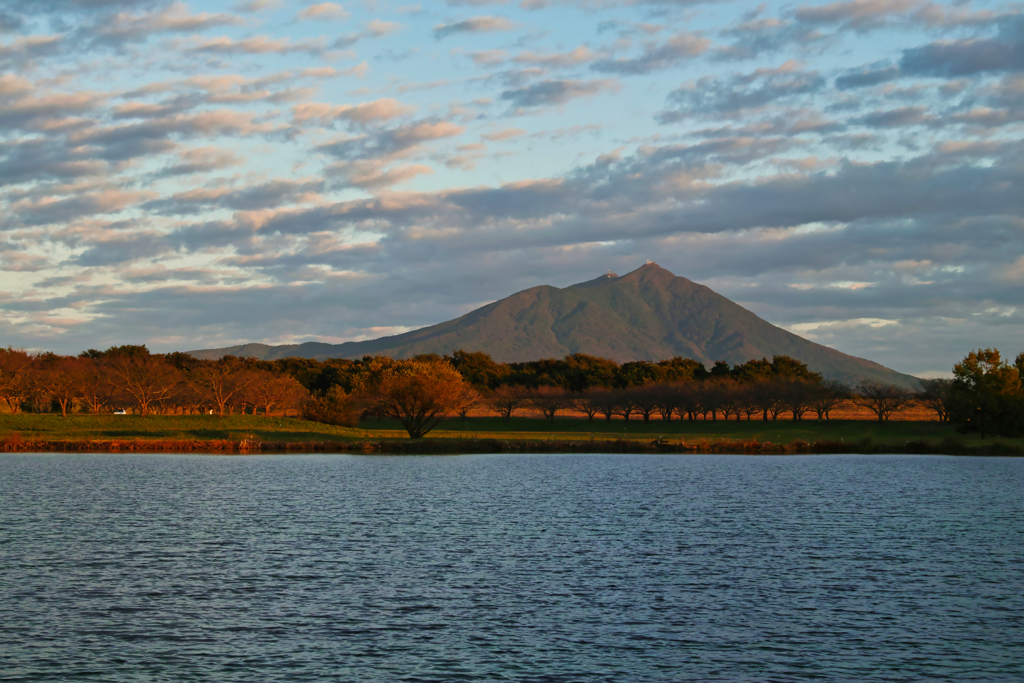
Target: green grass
x=187, y=427
x=279, y=429
x=781, y=431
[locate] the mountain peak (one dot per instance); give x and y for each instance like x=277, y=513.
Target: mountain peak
x=650, y=270
x=648, y=314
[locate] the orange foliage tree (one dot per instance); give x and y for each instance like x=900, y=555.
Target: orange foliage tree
x=417, y=393
x=222, y=380
x=145, y=378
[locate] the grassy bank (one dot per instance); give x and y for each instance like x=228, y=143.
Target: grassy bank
x=247, y=433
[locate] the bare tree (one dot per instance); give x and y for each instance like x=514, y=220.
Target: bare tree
x=796, y=396
x=469, y=399
x=710, y=394
x=882, y=399
x=549, y=401
x=586, y=404
x=507, y=399
x=688, y=401
x=645, y=400
x=729, y=398
x=937, y=395
x=666, y=399
x=827, y=396
x=767, y=395
x=605, y=400
x=624, y=403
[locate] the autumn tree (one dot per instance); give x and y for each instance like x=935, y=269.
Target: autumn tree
x=987, y=394
x=268, y=389
x=223, y=380
x=60, y=378
x=882, y=399
x=334, y=406
x=15, y=370
x=95, y=391
x=417, y=393
x=146, y=378
x=477, y=368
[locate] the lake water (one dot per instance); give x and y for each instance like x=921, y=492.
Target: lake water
x=510, y=568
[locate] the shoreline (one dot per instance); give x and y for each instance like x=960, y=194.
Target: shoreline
x=461, y=446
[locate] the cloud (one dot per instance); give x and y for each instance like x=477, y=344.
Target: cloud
x=489, y=57
x=361, y=114
x=201, y=160
x=379, y=29
x=954, y=59
x=656, y=56
x=710, y=96
x=393, y=142
x=556, y=92
x=260, y=45
x=50, y=210
x=371, y=175
x=868, y=75
x=483, y=24
x=756, y=35
x=857, y=15
x=325, y=11
x=125, y=27
x=164, y=178
x=39, y=110
x=22, y=52
x=257, y=5
x=897, y=118
x=506, y=134
x=557, y=60
x=41, y=159
x=250, y=198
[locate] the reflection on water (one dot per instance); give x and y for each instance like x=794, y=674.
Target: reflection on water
x=510, y=567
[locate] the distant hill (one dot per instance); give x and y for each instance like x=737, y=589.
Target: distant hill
x=649, y=314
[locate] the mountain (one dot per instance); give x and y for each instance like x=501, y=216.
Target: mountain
x=649, y=314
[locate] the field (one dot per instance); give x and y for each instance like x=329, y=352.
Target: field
x=193, y=432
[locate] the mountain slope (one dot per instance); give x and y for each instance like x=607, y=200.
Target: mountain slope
x=649, y=314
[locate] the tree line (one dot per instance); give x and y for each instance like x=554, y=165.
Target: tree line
x=132, y=378
x=985, y=394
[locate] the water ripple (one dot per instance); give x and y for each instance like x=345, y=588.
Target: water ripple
x=511, y=568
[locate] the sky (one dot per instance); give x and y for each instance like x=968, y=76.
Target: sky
x=194, y=175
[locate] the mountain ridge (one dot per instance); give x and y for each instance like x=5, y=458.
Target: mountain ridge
x=647, y=314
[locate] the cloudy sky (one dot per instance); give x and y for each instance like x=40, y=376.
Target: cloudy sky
x=200, y=174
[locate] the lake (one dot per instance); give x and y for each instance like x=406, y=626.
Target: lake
x=511, y=568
